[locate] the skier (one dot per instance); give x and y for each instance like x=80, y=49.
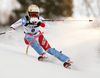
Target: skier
x=31, y=23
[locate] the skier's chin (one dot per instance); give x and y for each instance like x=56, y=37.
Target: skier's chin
x=33, y=16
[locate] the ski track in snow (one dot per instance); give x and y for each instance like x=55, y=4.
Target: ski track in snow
x=79, y=40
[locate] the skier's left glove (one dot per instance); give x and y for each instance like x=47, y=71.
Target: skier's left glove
x=41, y=24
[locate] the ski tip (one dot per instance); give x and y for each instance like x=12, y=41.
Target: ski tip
x=26, y=52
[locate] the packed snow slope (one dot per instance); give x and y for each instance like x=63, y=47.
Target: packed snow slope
x=77, y=39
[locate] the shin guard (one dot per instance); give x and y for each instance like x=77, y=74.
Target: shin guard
x=43, y=42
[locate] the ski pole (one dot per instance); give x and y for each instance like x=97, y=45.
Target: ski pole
x=51, y=20
x=9, y=31
x=2, y=33
x=32, y=41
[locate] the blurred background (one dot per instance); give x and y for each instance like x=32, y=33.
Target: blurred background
x=80, y=40
x=12, y=10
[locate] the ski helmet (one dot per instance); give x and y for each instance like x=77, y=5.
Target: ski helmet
x=33, y=10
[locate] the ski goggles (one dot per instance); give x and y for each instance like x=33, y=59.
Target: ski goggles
x=33, y=14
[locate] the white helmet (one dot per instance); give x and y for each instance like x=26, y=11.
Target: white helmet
x=33, y=10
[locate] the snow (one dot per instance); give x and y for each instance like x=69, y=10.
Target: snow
x=79, y=40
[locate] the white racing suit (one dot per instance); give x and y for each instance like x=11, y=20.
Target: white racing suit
x=31, y=30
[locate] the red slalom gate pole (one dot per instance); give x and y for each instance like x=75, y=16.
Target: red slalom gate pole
x=32, y=41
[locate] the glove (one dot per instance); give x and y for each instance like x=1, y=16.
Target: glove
x=35, y=20
x=11, y=30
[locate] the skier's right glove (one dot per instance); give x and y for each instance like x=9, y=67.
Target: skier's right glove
x=11, y=30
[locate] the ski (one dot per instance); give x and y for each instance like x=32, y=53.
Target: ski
x=67, y=64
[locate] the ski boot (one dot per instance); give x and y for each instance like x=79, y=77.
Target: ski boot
x=42, y=57
x=67, y=64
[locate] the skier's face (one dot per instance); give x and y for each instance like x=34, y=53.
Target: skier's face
x=33, y=14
